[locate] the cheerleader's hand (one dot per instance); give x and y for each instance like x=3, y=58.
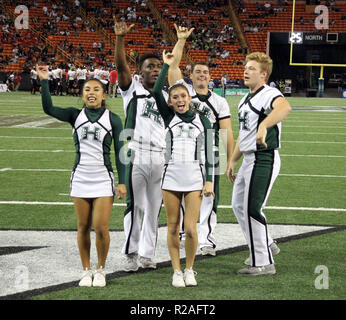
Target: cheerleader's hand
x=121, y=28
x=183, y=32
x=261, y=136
x=42, y=71
x=167, y=57
x=207, y=190
x=230, y=171
x=121, y=191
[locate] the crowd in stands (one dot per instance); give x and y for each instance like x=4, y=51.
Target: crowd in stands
x=64, y=19
x=25, y=44
x=262, y=11
x=266, y=10
x=61, y=18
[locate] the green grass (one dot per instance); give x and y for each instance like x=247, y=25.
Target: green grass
x=217, y=279
x=293, y=281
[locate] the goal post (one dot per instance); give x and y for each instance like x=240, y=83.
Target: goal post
x=297, y=35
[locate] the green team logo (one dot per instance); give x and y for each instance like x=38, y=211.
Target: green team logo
x=201, y=108
x=151, y=113
x=185, y=132
x=244, y=121
x=86, y=132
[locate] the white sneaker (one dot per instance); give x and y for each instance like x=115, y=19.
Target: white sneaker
x=131, y=264
x=147, y=263
x=208, y=251
x=178, y=279
x=86, y=279
x=258, y=271
x=99, y=278
x=273, y=248
x=189, y=278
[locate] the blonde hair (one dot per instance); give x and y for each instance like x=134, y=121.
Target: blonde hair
x=264, y=60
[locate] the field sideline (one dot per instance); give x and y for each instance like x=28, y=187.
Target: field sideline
x=306, y=211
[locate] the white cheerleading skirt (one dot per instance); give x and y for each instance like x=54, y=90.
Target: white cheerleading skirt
x=183, y=176
x=91, y=182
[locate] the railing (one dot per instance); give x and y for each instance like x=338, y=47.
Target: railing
x=239, y=32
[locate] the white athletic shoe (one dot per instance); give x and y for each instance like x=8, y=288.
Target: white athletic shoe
x=257, y=271
x=208, y=251
x=189, y=278
x=99, y=278
x=86, y=279
x=147, y=263
x=274, y=249
x=178, y=279
x=131, y=264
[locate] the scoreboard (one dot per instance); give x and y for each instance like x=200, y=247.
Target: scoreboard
x=309, y=47
x=316, y=38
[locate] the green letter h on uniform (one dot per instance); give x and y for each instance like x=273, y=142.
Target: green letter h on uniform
x=86, y=132
x=185, y=132
x=151, y=113
x=243, y=121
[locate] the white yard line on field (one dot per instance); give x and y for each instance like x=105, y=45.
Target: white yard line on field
x=332, y=127
x=39, y=170
x=316, y=106
x=299, y=116
x=26, y=137
x=21, y=108
x=293, y=208
x=305, y=121
x=317, y=142
x=35, y=124
x=315, y=116
x=312, y=155
x=40, y=128
x=21, y=150
x=314, y=133
x=310, y=175
x=124, y=205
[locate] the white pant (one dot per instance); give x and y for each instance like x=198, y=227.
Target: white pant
x=144, y=200
x=207, y=223
x=207, y=218
x=251, y=189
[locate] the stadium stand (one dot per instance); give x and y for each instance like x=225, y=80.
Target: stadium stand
x=81, y=32
x=257, y=19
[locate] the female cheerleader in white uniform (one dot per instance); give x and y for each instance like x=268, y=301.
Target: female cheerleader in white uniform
x=187, y=172
x=92, y=179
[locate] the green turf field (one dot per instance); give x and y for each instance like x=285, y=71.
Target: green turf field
x=37, y=154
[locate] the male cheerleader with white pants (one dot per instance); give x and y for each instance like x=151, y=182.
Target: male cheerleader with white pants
x=260, y=114
x=145, y=128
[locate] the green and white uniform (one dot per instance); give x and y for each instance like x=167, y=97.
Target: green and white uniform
x=257, y=174
x=93, y=133
x=145, y=132
x=189, y=155
x=185, y=138
x=214, y=108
